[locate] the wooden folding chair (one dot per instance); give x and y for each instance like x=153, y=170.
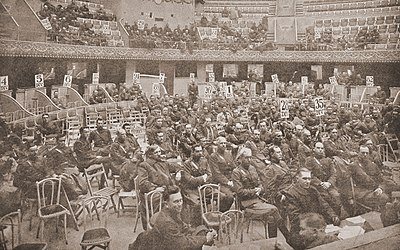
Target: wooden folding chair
x=98, y=174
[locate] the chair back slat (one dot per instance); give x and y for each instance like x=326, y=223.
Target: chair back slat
x=95, y=207
x=209, y=198
x=13, y=222
x=49, y=191
x=153, y=204
x=97, y=173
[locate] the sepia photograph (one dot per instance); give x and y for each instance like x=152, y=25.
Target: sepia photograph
x=199, y=124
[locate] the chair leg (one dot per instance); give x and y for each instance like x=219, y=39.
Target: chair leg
x=65, y=228
x=137, y=219
x=37, y=232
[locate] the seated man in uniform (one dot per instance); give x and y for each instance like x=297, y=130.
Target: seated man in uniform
x=302, y=198
x=221, y=165
x=84, y=153
x=196, y=172
x=249, y=192
x=155, y=174
x=169, y=231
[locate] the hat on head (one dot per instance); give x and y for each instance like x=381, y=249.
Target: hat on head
x=221, y=139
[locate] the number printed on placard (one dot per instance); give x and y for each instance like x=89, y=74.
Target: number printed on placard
x=39, y=81
x=3, y=83
x=284, y=107
x=67, y=81
x=319, y=106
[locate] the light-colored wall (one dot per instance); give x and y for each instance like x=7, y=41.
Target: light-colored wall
x=130, y=11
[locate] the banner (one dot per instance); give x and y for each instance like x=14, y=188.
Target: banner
x=95, y=78
x=209, y=67
x=46, y=23
x=229, y=91
x=3, y=83
x=155, y=89
x=319, y=106
x=333, y=80
x=369, y=80
x=67, y=81
x=39, y=81
x=284, y=107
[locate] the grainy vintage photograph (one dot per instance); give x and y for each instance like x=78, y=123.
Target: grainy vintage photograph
x=199, y=124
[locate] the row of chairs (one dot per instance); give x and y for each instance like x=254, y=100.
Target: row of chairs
x=356, y=12
x=360, y=21
x=351, y=5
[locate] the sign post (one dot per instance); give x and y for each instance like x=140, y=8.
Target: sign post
x=136, y=77
x=229, y=91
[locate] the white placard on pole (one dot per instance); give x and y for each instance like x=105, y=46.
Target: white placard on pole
x=4, y=83
x=333, y=80
x=67, y=81
x=275, y=78
x=369, y=80
x=319, y=106
x=284, y=107
x=222, y=87
x=253, y=89
x=95, y=78
x=207, y=92
x=39, y=81
x=161, y=78
x=140, y=24
x=155, y=89
x=229, y=91
x=192, y=76
x=211, y=77
x=304, y=80
x=136, y=77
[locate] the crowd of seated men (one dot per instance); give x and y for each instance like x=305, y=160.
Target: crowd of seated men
x=280, y=168
x=186, y=38
x=67, y=29
x=326, y=41
x=121, y=93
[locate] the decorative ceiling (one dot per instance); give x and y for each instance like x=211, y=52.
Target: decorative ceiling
x=10, y=48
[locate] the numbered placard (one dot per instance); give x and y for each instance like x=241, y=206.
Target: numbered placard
x=4, y=83
x=253, y=89
x=140, y=24
x=274, y=78
x=39, y=81
x=369, y=80
x=214, y=33
x=284, y=107
x=95, y=78
x=333, y=80
x=229, y=91
x=67, y=81
x=211, y=77
x=161, y=78
x=136, y=77
x=304, y=80
x=319, y=106
x=207, y=92
x=155, y=89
